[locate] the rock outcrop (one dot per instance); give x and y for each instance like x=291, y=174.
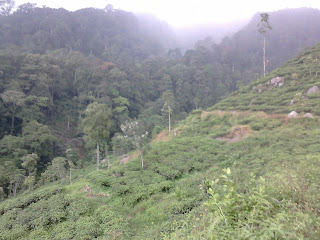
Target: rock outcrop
x=124, y=159
x=278, y=81
x=314, y=89
x=293, y=114
x=308, y=115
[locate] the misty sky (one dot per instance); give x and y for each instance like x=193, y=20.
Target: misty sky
x=180, y=13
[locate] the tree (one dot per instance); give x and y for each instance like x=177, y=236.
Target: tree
x=135, y=131
x=97, y=124
x=59, y=166
x=29, y=181
x=13, y=100
x=109, y=8
x=6, y=7
x=29, y=163
x=263, y=27
x=38, y=138
x=15, y=176
x=26, y=7
x=33, y=108
x=120, y=110
x=72, y=157
x=168, y=98
x=120, y=144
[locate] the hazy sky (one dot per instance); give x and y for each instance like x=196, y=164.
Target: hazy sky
x=180, y=13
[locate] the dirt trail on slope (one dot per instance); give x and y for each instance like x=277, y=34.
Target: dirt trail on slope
x=221, y=113
x=130, y=157
x=164, y=136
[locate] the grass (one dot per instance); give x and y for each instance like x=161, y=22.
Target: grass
x=167, y=198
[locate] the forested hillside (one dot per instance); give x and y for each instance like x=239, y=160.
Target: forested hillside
x=242, y=54
x=96, y=89
x=223, y=175
x=108, y=33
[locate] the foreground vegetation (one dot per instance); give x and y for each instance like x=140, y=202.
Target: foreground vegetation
x=268, y=189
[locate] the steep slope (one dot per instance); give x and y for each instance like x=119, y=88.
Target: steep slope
x=299, y=75
x=225, y=175
x=269, y=187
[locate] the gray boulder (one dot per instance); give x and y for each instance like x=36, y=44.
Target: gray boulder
x=293, y=114
x=278, y=81
x=314, y=89
x=124, y=159
x=308, y=115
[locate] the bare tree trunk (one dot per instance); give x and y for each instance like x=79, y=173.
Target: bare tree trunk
x=98, y=156
x=169, y=121
x=2, y=194
x=12, y=123
x=15, y=188
x=10, y=190
x=75, y=75
x=142, y=162
x=264, y=56
x=70, y=177
x=68, y=124
x=52, y=91
x=106, y=155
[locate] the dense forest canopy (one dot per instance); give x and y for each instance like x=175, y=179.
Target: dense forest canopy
x=56, y=65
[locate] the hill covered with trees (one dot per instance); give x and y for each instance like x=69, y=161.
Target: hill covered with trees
x=95, y=86
x=224, y=174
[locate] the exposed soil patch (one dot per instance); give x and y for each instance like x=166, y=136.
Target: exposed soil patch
x=130, y=157
x=101, y=194
x=79, y=148
x=218, y=112
x=91, y=194
x=221, y=113
x=164, y=136
x=237, y=133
